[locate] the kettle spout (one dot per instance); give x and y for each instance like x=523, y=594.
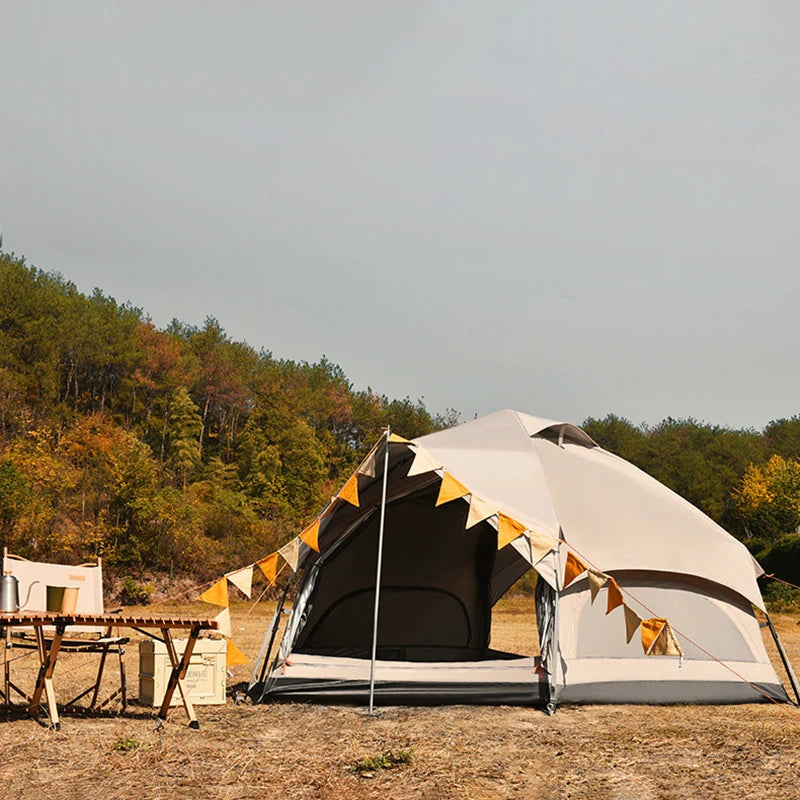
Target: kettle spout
x=28, y=596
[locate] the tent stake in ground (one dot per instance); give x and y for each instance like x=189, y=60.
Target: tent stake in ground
x=378, y=576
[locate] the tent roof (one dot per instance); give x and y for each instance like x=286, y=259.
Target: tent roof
x=555, y=479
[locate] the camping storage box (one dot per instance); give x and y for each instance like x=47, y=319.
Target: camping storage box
x=205, y=676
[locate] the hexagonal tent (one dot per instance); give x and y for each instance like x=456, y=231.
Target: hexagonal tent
x=446, y=560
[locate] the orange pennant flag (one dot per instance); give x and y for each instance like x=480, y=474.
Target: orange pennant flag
x=269, y=566
x=651, y=628
x=235, y=656
x=614, y=596
x=508, y=529
x=311, y=536
x=349, y=491
x=573, y=568
x=393, y=437
x=217, y=594
x=632, y=622
x=450, y=489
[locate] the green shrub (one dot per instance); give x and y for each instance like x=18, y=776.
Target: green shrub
x=780, y=597
x=134, y=593
x=125, y=744
x=386, y=760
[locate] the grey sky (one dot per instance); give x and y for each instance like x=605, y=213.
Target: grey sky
x=566, y=208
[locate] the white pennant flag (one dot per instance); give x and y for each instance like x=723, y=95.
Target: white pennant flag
x=479, y=511
x=367, y=466
x=597, y=580
x=242, y=579
x=223, y=619
x=423, y=462
x=291, y=553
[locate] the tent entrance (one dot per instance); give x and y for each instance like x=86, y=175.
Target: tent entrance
x=435, y=602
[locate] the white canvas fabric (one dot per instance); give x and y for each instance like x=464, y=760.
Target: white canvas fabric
x=616, y=516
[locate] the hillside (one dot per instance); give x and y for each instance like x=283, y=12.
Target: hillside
x=179, y=450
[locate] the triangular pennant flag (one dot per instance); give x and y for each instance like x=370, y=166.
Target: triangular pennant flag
x=632, y=622
x=269, y=566
x=651, y=628
x=367, y=466
x=541, y=545
x=666, y=644
x=508, y=529
x=614, y=596
x=574, y=567
x=478, y=511
x=235, y=656
x=451, y=489
x=597, y=580
x=423, y=462
x=217, y=594
x=311, y=536
x=291, y=553
x=393, y=437
x=242, y=579
x=349, y=491
x=223, y=620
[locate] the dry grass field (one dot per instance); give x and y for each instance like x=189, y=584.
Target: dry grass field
x=299, y=751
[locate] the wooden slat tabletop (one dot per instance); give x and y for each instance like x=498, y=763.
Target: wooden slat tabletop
x=122, y=620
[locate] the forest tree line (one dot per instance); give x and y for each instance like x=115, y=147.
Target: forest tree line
x=180, y=449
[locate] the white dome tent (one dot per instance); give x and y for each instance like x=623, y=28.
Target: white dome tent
x=664, y=614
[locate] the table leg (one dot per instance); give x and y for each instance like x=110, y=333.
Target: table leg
x=177, y=675
x=44, y=681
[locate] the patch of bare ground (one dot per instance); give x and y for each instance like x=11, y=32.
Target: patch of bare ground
x=305, y=751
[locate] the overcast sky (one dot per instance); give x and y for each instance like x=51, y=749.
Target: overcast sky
x=567, y=208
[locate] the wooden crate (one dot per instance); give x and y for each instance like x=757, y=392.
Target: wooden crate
x=205, y=677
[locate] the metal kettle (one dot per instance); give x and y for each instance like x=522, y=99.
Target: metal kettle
x=9, y=594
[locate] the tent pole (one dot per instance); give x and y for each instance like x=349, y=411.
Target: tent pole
x=786, y=663
x=552, y=702
x=378, y=577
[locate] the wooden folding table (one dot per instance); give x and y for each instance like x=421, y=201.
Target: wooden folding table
x=49, y=644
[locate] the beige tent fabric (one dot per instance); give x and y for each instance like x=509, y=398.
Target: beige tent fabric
x=494, y=458
x=605, y=506
x=602, y=503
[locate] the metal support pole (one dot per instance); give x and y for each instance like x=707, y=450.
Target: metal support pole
x=378, y=577
x=784, y=658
